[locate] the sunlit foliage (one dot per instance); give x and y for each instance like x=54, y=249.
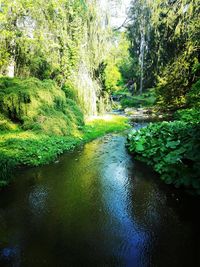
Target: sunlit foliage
x=62, y=40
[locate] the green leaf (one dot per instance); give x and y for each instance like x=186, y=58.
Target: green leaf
x=139, y=147
x=173, y=144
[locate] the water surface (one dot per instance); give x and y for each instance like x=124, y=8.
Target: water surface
x=97, y=207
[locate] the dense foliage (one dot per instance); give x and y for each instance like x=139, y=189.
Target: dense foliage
x=173, y=149
x=63, y=40
x=41, y=37
x=114, y=72
x=38, y=105
x=147, y=99
x=165, y=48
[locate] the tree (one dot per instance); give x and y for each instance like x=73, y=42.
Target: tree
x=165, y=46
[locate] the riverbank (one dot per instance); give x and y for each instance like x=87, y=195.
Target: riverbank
x=99, y=204
x=29, y=148
x=172, y=149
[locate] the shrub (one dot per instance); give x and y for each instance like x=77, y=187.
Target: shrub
x=188, y=115
x=173, y=149
x=75, y=111
x=193, y=97
x=70, y=91
x=128, y=102
x=112, y=78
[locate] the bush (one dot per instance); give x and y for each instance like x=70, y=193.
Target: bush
x=188, y=115
x=112, y=78
x=128, y=102
x=70, y=92
x=173, y=149
x=193, y=97
x=76, y=112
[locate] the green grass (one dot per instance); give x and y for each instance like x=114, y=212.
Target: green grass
x=29, y=148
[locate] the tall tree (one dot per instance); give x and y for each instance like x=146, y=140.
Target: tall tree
x=165, y=46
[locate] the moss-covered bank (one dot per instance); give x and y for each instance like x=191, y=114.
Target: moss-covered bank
x=29, y=148
x=37, y=105
x=39, y=121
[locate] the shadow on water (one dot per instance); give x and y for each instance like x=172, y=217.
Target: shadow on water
x=97, y=207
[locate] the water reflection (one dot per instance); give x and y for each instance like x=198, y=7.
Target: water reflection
x=10, y=254
x=128, y=239
x=37, y=200
x=96, y=208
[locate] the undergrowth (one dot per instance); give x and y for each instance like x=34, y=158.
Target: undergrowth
x=173, y=149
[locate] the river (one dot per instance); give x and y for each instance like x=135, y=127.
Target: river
x=95, y=207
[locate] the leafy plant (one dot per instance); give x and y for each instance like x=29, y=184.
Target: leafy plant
x=188, y=115
x=173, y=149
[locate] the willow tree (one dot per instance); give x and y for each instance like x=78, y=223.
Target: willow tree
x=64, y=40
x=42, y=37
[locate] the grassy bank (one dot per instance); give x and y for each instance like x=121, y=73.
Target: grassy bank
x=40, y=120
x=29, y=148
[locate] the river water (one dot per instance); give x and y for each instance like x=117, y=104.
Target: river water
x=97, y=207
